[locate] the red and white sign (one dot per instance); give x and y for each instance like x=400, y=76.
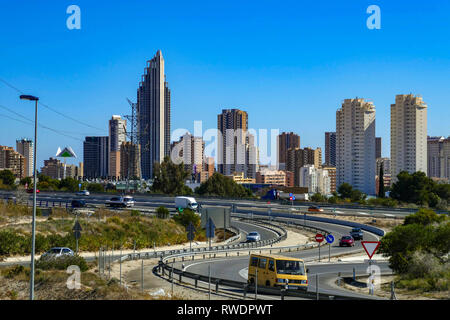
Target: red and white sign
x=319, y=237
x=370, y=247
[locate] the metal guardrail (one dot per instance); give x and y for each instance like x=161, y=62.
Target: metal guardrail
x=164, y=266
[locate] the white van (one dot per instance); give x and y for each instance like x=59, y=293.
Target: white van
x=186, y=202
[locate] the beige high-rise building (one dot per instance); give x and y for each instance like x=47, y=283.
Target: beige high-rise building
x=286, y=141
x=297, y=158
x=408, y=135
x=355, y=145
x=129, y=160
x=117, y=135
x=25, y=148
x=332, y=174
x=439, y=157
x=236, y=150
x=190, y=151
x=13, y=161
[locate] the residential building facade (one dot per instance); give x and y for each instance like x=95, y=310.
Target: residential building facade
x=408, y=135
x=96, y=157
x=25, y=148
x=286, y=141
x=330, y=148
x=355, y=148
x=438, y=149
x=13, y=161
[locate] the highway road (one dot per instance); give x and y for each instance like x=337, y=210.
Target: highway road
x=152, y=201
x=235, y=268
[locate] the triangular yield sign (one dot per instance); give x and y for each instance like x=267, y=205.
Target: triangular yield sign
x=370, y=247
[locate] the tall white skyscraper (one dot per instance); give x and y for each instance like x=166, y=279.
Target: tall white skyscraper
x=355, y=145
x=408, y=135
x=25, y=148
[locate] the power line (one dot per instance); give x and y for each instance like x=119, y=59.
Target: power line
x=51, y=109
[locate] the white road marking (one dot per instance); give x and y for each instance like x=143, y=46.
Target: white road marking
x=363, y=213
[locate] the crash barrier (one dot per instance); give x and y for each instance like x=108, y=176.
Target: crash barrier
x=166, y=266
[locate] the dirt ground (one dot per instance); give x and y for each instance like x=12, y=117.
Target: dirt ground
x=384, y=290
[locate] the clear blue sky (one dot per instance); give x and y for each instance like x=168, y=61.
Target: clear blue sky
x=289, y=64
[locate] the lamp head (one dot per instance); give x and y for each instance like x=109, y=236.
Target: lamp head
x=28, y=97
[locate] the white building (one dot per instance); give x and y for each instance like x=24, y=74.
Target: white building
x=355, y=145
x=25, y=148
x=439, y=157
x=408, y=135
x=316, y=180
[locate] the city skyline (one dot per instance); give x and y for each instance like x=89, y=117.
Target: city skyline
x=290, y=90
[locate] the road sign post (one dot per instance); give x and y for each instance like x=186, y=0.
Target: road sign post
x=330, y=240
x=210, y=228
x=319, y=239
x=190, y=234
x=370, y=247
x=77, y=232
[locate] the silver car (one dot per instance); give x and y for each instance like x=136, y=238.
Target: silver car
x=57, y=252
x=82, y=193
x=253, y=236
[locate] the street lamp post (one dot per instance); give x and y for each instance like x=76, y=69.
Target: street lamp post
x=33, y=225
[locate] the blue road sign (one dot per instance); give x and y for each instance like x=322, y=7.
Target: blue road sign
x=293, y=198
x=210, y=228
x=190, y=231
x=330, y=238
x=290, y=194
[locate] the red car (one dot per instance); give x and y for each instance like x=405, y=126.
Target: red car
x=31, y=190
x=347, y=241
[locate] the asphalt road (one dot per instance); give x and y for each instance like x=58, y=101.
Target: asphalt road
x=152, y=201
x=235, y=268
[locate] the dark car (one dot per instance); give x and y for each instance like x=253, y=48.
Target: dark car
x=357, y=234
x=315, y=209
x=78, y=203
x=32, y=190
x=346, y=241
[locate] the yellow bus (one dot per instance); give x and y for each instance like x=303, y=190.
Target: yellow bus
x=273, y=271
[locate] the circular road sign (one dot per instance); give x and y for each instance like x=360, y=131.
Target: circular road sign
x=330, y=239
x=319, y=237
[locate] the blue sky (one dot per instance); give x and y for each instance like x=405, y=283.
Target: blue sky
x=289, y=64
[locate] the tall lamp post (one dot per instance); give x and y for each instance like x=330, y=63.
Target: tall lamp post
x=33, y=225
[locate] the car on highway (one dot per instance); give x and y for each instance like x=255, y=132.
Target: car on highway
x=315, y=209
x=126, y=201
x=253, y=236
x=346, y=241
x=82, y=193
x=357, y=234
x=31, y=190
x=57, y=252
x=78, y=203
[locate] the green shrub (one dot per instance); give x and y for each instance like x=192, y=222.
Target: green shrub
x=187, y=216
x=135, y=213
x=162, y=212
x=61, y=263
x=14, y=271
